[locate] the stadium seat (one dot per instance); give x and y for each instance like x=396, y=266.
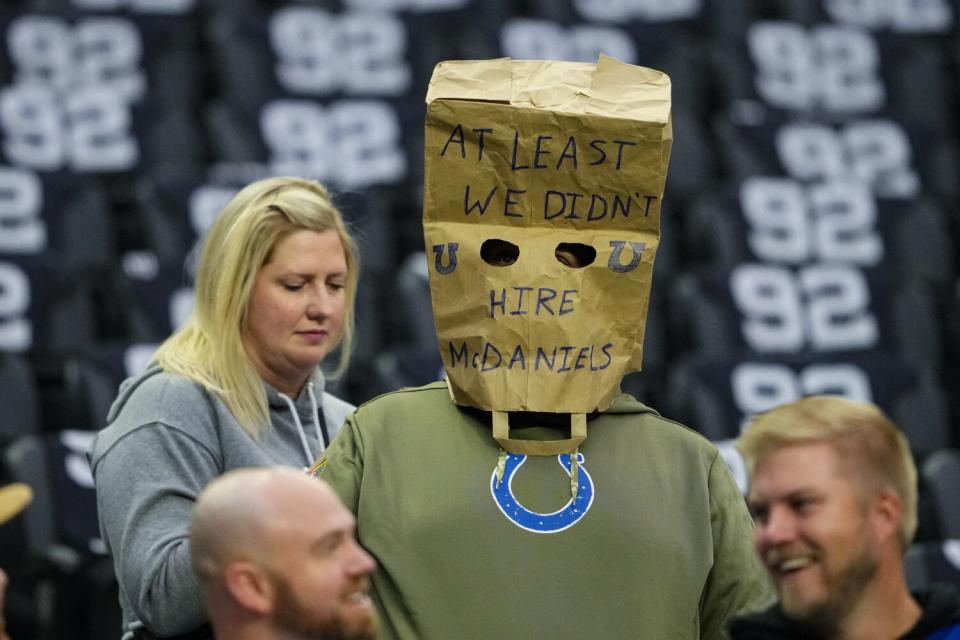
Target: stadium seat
x=412, y=321
x=19, y=398
x=173, y=57
x=410, y=355
x=729, y=20
x=941, y=475
x=930, y=563
x=48, y=310
x=91, y=380
x=406, y=366
x=151, y=299
x=905, y=20
x=116, y=153
x=67, y=219
x=232, y=139
x=781, y=220
x=172, y=136
x=835, y=71
x=736, y=463
x=817, y=308
x=648, y=384
x=371, y=326
x=896, y=159
x=240, y=66
x=327, y=96
x=693, y=161
x=373, y=218
x=918, y=78
x=69, y=567
x=717, y=395
x=174, y=207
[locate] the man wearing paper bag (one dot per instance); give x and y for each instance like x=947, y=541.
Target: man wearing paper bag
x=524, y=497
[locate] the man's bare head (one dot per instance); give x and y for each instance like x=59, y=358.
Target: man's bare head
x=232, y=518
x=279, y=546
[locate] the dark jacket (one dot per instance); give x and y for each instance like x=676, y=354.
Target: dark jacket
x=941, y=616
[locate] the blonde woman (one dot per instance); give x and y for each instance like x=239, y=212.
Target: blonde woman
x=238, y=386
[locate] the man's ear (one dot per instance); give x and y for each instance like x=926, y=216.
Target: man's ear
x=887, y=513
x=250, y=585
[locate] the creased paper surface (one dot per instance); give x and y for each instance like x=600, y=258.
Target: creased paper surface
x=540, y=154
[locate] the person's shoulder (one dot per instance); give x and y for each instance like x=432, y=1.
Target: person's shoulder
x=627, y=408
x=159, y=392
x=156, y=399
x=402, y=410
x=435, y=392
x=407, y=402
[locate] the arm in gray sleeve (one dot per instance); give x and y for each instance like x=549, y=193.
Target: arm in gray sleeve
x=147, y=484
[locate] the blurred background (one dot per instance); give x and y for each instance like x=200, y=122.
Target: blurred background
x=810, y=221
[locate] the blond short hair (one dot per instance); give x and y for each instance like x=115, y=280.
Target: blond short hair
x=209, y=347
x=862, y=434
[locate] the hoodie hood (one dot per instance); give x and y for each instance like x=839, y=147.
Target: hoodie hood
x=306, y=424
x=127, y=389
x=274, y=398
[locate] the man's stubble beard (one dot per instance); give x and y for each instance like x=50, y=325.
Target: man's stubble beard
x=291, y=616
x=843, y=591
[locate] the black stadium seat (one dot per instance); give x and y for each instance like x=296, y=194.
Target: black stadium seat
x=89, y=89
x=773, y=310
x=175, y=205
x=92, y=377
x=313, y=92
x=809, y=229
x=941, y=475
x=896, y=158
x=61, y=539
x=717, y=395
x=412, y=317
x=63, y=217
x=835, y=71
x=48, y=309
x=151, y=299
x=780, y=220
x=19, y=398
x=931, y=563
x=905, y=19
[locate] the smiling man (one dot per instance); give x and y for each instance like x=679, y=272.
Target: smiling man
x=833, y=491
x=276, y=556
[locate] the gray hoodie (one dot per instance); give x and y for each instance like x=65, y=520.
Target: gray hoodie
x=166, y=439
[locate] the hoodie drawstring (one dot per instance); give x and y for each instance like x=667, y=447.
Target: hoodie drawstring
x=310, y=456
x=315, y=411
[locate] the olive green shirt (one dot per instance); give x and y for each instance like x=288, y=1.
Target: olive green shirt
x=658, y=544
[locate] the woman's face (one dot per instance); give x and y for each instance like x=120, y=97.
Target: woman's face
x=296, y=309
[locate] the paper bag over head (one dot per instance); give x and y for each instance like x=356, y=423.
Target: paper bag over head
x=527, y=161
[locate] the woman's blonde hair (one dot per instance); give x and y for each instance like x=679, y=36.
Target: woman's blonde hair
x=209, y=347
x=868, y=442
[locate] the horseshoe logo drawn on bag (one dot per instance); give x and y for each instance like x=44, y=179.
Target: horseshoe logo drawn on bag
x=566, y=517
x=451, y=266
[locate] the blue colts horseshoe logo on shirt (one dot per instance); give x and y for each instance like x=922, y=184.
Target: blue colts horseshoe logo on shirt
x=524, y=518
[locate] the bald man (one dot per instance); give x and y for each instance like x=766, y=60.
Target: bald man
x=276, y=556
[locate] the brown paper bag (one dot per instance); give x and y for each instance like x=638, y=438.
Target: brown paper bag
x=539, y=154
